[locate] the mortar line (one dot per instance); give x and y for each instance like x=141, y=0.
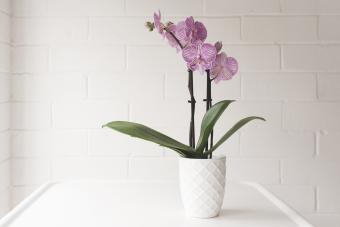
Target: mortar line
x=317, y=86
x=317, y=144
x=316, y=199
x=318, y=27
x=280, y=173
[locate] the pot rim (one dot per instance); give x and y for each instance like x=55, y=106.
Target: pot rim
x=214, y=157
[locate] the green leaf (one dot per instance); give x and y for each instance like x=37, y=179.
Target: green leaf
x=208, y=122
x=143, y=132
x=231, y=131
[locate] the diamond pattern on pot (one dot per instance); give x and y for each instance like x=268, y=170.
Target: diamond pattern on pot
x=202, y=184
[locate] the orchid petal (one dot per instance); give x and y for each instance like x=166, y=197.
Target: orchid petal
x=157, y=22
x=181, y=33
x=190, y=22
x=232, y=65
x=200, y=32
x=190, y=53
x=226, y=74
x=193, y=65
x=208, y=53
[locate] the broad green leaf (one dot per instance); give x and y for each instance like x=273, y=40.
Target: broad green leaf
x=143, y=132
x=208, y=122
x=231, y=131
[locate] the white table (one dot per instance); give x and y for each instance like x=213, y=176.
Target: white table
x=144, y=204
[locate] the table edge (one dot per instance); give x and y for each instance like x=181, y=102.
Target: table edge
x=282, y=206
x=17, y=210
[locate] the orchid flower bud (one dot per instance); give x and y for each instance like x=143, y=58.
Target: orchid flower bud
x=218, y=46
x=149, y=25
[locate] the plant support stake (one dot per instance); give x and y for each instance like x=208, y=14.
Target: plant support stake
x=192, y=101
x=208, y=101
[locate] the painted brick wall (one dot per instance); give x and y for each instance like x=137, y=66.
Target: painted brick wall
x=78, y=66
x=5, y=137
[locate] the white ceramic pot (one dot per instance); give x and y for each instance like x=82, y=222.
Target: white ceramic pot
x=202, y=185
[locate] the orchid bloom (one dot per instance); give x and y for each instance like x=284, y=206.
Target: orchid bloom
x=224, y=68
x=189, y=31
x=199, y=55
x=197, y=30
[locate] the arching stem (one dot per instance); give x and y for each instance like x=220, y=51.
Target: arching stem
x=175, y=38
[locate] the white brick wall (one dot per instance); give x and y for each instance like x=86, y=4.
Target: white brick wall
x=88, y=8
x=279, y=86
x=328, y=86
x=264, y=171
x=280, y=29
x=5, y=87
x=311, y=57
x=76, y=68
x=321, y=116
x=30, y=59
x=225, y=7
x=175, y=7
x=256, y=57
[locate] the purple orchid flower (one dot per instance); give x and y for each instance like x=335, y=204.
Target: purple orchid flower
x=189, y=31
x=197, y=30
x=199, y=55
x=224, y=68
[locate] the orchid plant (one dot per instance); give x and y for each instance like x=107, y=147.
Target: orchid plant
x=188, y=38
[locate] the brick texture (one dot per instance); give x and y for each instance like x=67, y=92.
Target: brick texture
x=5, y=106
x=76, y=68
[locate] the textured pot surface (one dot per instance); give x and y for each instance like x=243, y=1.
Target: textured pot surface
x=202, y=185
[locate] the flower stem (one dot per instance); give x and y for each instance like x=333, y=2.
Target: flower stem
x=192, y=100
x=173, y=36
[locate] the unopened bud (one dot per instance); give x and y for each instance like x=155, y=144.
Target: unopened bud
x=149, y=25
x=218, y=46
